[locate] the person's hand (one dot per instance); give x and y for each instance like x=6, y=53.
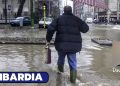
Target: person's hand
x=47, y=45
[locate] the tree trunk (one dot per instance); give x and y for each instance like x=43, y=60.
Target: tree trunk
x=20, y=9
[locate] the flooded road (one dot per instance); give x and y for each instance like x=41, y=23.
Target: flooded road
x=96, y=64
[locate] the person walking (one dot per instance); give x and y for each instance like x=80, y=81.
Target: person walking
x=68, y=39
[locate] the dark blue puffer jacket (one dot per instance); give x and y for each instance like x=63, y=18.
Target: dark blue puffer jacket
x=68, y=36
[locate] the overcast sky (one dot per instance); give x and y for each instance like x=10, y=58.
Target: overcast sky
x=68, y=2
x=64, y=2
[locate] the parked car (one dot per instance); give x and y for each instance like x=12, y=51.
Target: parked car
x=17, y=21
x=89, y=20
x=95, y=21
x=47, y=22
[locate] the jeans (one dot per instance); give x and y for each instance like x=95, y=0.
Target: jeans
x=71, y=60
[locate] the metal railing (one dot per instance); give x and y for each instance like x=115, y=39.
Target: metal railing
x=3, y=21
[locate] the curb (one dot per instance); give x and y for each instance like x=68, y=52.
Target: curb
x=102, y=41
x=22, y=40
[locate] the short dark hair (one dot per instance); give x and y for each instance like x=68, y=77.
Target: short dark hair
x=67, y=9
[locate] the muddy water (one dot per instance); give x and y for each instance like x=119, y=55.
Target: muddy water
x=102, y=71
x=96, y=64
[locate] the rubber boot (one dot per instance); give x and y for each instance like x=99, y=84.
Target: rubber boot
x=60, y=68
x=73, y=75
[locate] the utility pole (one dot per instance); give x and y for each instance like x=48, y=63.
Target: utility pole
x=5, y=11
x=94, y=9
x=36, y=15
x=66, y=2
x=31, y=10
x=49, y=8
x=44, y=12
x=118, y=9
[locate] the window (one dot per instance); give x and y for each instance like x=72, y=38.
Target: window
x=3, y=1
x=26, y=18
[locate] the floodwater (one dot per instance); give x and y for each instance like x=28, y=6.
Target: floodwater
x=96, y=64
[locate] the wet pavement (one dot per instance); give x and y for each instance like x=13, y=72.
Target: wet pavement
x=96, y=64
x=21, y=32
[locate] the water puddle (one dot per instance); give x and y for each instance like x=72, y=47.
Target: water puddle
x=95, y=62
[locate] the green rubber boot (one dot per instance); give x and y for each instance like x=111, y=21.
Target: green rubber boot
x=60, y=68
x=73, y=76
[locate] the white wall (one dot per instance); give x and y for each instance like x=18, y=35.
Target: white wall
x=113, y=5
x=69, y=2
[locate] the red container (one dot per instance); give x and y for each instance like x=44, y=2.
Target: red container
x=48, y=56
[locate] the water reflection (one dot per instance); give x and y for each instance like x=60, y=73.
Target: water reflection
x=19, y=57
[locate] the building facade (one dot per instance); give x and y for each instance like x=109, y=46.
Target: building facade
x=89, y=8
x=101, y=10
x=12, y=8
x=114, y=10
x=13, y=5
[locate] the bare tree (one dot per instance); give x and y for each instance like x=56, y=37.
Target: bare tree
x=20, y=9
